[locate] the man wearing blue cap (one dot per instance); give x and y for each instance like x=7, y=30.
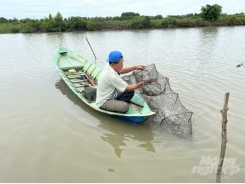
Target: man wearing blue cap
x=113, y=92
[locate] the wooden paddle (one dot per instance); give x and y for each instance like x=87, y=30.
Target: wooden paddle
x=91, y=80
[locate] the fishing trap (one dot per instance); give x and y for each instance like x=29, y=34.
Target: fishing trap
x=166, y=103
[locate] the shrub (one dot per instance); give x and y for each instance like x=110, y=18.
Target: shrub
x=15, y=29
x=76, y=23
x=28, y=26
x=169, y=22
x=140, y=22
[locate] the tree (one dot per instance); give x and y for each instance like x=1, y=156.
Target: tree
x=58, y=17
x=55, y=24
x=158, y=17
x=3, y=20
x=58, y=24
x=129, y=15
x=211, y=12
x=50, y=17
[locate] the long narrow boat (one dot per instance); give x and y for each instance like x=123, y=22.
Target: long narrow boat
x=79, y=74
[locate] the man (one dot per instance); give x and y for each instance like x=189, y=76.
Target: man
x=113, y=93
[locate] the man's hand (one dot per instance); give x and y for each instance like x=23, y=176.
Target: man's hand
x=140, y=67
x=150, y=80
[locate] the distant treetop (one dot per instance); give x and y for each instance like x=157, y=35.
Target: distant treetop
x=129, y=14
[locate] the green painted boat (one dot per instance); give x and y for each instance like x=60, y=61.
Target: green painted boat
x=80, y=74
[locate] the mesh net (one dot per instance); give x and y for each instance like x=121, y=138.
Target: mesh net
x=170, y=112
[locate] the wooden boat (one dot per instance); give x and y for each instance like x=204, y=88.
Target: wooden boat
x=79, y=73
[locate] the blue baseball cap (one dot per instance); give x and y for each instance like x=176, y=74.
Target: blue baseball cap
x=114, y=56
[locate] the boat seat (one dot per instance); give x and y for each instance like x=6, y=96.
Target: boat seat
x=98, y=76
x=86, y=65
x=91, y=68
x=95, y=72
x=66, y=64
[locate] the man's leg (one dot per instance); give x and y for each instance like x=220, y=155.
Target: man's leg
x=125, y=96
x=115, y=106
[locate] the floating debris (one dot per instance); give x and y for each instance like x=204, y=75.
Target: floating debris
x=238, y=66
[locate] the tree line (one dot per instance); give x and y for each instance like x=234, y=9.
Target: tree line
x=210, y=15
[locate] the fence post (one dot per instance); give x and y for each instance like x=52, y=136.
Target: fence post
x=223, y=135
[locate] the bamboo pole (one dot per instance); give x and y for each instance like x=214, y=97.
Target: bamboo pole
x=91, y=48
x=223, y=135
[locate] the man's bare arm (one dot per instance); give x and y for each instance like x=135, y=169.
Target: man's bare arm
x=128, y=69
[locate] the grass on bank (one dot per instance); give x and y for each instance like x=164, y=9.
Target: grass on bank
x=10, y=28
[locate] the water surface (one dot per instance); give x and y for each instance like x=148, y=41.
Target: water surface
x=48, y=135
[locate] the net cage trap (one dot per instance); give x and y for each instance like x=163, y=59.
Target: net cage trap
x=170, y=112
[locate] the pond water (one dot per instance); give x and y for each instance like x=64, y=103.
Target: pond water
x=48, y=135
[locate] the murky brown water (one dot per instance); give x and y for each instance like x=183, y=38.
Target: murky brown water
x=48, y=135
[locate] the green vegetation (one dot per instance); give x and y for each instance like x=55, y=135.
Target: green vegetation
x=210, y=15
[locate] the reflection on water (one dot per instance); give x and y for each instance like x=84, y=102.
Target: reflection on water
x=119, y=132
x=119, y=135
x=208, y=42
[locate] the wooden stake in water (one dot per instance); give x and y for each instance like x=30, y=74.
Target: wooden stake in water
x=91, y=48
x=223, y=134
